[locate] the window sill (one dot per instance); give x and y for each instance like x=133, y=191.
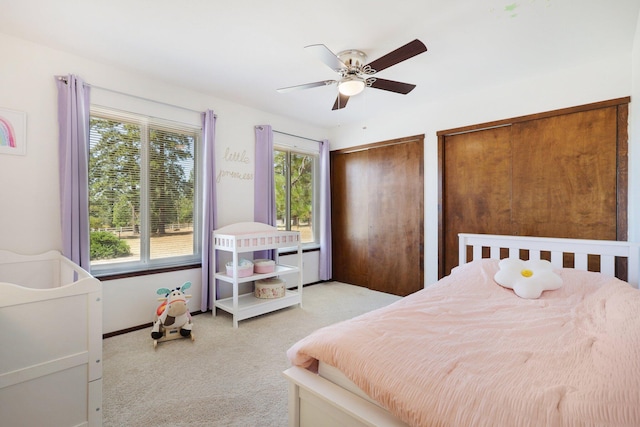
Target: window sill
x=125, y=275
x=313, y=247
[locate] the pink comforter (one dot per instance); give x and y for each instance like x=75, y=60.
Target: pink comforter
x=467, y=352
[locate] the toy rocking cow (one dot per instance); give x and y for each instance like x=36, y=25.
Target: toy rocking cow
x=172, y=319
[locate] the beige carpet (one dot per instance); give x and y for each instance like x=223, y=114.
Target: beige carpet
x=227, y=376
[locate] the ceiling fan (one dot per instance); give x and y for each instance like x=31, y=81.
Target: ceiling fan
x=355, y=75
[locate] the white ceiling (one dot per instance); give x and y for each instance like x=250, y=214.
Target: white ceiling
x=243, y=50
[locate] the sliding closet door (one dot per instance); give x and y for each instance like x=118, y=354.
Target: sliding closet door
x=564, y=175
x=350, y=217
x=561, y=173
x=378, y=215
x=396, y=218
x=477, y=186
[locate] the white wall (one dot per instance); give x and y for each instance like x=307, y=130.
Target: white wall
x=634, y=141
x=29, y=194
x=132, y=302
x=607, y=79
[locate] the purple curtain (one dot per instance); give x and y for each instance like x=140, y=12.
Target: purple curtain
x=73, y=121
x=325, y=214
x=264, y=208
x=209, y=207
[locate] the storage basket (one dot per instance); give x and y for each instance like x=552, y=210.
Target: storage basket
x=245, y=268
x=264, y=266
x=270, y=288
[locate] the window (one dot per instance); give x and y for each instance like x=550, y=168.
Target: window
x=143, y=180
x=297, y=192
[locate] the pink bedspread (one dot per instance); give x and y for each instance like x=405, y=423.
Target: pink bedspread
x=467, y=352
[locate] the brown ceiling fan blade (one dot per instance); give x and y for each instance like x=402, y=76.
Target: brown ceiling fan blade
x=392, y=86
x=325, y=55
x=306, y=86
x=341, y=101
x=403, y=53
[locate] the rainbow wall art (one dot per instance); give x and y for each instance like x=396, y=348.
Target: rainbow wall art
x=13, y=132
x=7, y=134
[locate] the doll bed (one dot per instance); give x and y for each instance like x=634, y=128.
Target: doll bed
x=50, y=342
x=452, y=354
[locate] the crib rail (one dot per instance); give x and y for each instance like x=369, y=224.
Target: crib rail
x=51, y=335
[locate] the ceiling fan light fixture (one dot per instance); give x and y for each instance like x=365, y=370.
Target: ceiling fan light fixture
x=351, y=87
x=355, y=73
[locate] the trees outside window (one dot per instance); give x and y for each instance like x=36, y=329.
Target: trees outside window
x=142, y=190
x=295, y=182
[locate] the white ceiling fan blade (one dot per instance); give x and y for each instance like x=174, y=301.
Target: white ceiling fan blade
x=306, y=86
x=325, y=55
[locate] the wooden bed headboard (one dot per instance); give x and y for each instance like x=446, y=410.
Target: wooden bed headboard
x=608, y=251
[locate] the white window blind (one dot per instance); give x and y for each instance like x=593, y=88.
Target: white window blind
x=143, y=180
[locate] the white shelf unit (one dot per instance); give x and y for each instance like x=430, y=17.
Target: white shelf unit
x=246, y=237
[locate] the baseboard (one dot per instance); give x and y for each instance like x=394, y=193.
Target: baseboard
x=137, y=328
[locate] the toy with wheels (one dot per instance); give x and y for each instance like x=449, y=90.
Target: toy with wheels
x=172, y=319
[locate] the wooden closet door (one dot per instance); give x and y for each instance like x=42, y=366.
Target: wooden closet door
x=377, y=205
x=350, y=217
x=561, y=173
x=564, y=176
x=396, y=218
x=476, y=186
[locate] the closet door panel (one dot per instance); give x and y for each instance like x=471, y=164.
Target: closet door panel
x=378, y=215
x=476, y=187
x=564, y=175
x=567, y=170
x=350, y=217
x=396, y=215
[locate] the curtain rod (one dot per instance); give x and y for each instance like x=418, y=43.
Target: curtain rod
x=296, y=136
x=64, y=79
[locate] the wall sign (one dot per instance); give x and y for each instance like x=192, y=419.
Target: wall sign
x=234, y=158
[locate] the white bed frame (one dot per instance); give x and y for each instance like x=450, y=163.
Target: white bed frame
x=315, y=401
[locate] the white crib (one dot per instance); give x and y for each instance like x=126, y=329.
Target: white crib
x=50, y=342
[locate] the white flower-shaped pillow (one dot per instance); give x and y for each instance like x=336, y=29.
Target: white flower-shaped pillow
x=528, y=279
